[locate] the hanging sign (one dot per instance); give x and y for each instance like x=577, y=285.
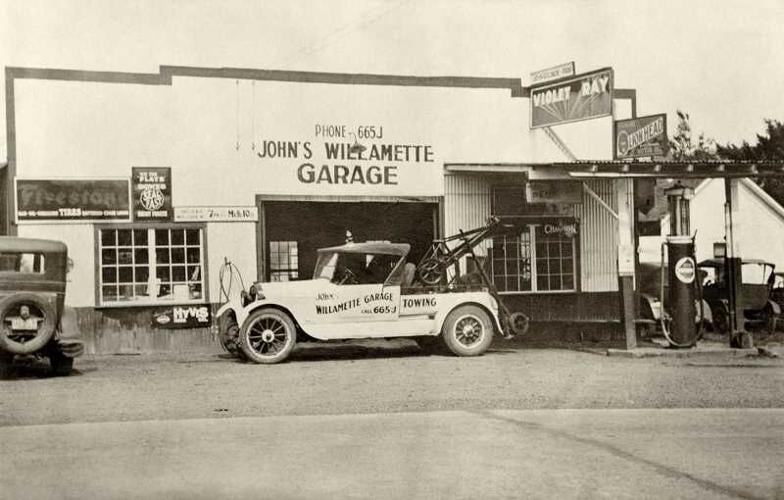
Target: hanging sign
x=195, y=316
x=552, y=73
x=581, y=97
x=640, y=137
x=72, y=200
x=152, y=197
x=556, y=192
x=216, y=214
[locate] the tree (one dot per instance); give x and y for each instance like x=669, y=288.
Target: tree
x=769, y=147
x=683, y=147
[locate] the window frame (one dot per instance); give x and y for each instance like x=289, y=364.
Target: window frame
x=531, y=223
x=99, y=303
x=288, y=269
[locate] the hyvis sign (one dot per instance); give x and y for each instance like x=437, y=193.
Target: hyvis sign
x=641, y=137
x=582, y=97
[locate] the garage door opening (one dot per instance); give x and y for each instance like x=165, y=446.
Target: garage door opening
x=294, y=230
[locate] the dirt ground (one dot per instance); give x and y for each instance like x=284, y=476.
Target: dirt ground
x=380, y=376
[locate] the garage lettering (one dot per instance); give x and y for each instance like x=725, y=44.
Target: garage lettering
x=342, y=307
x=419, y=302
x=309, y=173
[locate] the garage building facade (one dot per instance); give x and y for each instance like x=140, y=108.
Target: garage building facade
x=155, y=180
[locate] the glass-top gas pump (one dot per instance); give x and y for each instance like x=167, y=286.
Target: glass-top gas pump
x=681, y=270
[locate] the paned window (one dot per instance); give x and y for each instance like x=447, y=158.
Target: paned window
x=533, y=260
x=151, y=265
x=284, y=261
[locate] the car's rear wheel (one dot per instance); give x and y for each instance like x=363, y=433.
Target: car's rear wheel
x=6, y=364
x=468, y=331
x=268, y=336
x=24, y=308
x=229, y=334
x=61, y=365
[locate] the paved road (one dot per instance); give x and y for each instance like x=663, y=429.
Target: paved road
x=375, y=422
x=478, y=454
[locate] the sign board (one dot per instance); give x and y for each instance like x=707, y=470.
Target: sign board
x=552, y=73
x=216, y=214
x=560, y=191
x=685, y=270
x=194, y=316
x=72, y=200
x=152, y=193
x=564, y=228
x=640, y=137
x=581, y=97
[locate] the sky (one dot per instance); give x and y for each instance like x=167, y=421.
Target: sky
x=720, y=61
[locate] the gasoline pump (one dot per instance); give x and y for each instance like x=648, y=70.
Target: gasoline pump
x=684, y=283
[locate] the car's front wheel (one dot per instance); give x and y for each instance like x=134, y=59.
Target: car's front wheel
x=468, y=331
x=268, y=336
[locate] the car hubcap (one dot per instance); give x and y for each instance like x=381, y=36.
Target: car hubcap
x=268, y=336
x=469, y=330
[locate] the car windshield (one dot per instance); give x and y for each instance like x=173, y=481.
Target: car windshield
x=354, y=268
x=21, y=262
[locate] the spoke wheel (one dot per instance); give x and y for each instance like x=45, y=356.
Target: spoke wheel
x=429, y=271
x=468, y=331
x=268, y=336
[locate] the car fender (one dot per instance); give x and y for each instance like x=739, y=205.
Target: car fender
x=448, y=302
x=775, y=307
x=243, y=312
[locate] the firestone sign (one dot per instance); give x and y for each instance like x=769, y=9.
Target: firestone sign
x=582, y=97
x=641, y=137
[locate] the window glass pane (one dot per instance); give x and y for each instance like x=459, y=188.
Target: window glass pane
x=125, y=274
x=283, y=260
x=161, y=237
x=140, y=255
x=108, y=237
x=177, y=237
x=178, y=255
x=125, y=256
x=193, y=255
x=108, y=256
x=124, y=237
x=142, y=273
x=192, y=237
x=178, y=273
x=109, y=293
x=109, y=275
x=162, y=255
x=163, y=274
x=140, y=237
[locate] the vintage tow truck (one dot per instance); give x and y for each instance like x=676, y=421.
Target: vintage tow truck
x=358, y=291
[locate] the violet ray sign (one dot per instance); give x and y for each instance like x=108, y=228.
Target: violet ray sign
x=581, y=97
x=640, y=137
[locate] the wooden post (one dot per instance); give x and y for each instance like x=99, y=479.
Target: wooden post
x=626, y=256
x=738, y=336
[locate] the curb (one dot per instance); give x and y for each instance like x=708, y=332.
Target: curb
x=658, y=352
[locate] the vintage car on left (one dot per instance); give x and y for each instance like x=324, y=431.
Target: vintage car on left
x=32, y=301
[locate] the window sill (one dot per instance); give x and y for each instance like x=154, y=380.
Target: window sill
x=133, y=304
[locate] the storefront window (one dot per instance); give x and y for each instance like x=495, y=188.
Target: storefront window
x=151, y=265
x=284, y=261
x=553, y=252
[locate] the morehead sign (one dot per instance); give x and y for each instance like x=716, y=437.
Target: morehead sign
x=640, y=137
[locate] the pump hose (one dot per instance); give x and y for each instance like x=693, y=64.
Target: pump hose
x=661, y=299
x=231, y=269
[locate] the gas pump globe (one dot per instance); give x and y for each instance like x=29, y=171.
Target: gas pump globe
x=681, y=268
x=678, y=201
